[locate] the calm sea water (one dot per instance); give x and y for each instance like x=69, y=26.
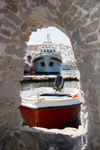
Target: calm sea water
x=68, y=84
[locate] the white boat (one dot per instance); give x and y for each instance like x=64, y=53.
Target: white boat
x=48, y=107
x=66, y=67
x=47, y=60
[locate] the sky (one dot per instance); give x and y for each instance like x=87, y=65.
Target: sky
x=56, y=36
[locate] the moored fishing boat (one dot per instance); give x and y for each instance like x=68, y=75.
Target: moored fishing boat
x=28, y=65
x=48, y=59
x=48, y=107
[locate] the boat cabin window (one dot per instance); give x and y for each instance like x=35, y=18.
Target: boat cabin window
x=47, y=50
x=44, y=50
x=43, y=64
x=51, y=63
x=50, y=50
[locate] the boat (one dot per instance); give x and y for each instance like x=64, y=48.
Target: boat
x=48, y=60
x=66, y=67
x=28, y=65
x=49, y=107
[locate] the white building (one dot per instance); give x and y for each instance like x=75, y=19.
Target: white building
x=67, y=54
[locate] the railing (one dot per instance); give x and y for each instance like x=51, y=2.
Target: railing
x=50, y=53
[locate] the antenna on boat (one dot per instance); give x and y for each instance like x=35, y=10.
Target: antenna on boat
x=48, y=38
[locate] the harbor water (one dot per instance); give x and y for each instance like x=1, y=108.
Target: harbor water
x=67, y=84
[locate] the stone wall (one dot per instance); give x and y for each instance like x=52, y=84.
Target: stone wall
x=79, y=19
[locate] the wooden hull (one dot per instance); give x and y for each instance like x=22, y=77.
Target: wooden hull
x=54, y=117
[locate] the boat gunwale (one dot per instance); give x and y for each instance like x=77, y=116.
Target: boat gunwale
x=49, y=60
x=56, y=60
x=51, y=107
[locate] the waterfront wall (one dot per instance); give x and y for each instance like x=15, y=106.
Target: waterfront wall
x=80, y=20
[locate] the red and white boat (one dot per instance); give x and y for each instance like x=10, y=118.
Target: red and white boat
x=50, y=108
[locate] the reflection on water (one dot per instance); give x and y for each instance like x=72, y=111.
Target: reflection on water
x=32, y=85
x=68, y=84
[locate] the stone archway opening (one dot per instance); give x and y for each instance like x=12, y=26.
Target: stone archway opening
x=80, y=21
x=59, y=40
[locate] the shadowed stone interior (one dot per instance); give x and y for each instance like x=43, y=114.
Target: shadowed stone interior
x=80, y=21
